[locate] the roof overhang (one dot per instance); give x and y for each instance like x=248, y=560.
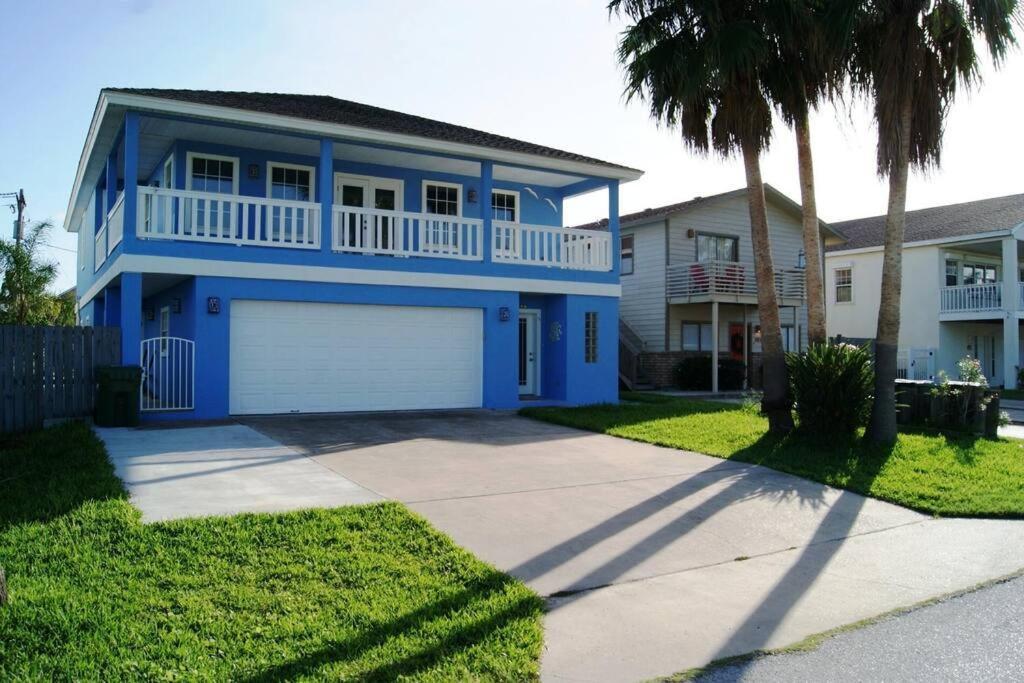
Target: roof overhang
x=1017, y=232
x=110, y=108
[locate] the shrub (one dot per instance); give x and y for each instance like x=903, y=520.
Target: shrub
x=832, y=385
x=694, y=374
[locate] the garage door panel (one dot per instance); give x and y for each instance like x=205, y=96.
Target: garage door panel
x=305, y=357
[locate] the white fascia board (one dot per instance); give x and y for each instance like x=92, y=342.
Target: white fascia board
x=173, y=265
x=337, y=130
x=977, y=237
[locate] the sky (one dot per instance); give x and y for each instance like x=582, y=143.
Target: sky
x=531, y=69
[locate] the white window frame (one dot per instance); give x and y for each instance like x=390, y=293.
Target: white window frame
x=511, y=193
x=836, y=285
x=168, y=172
x=189, y=156
x=632, y=254
x=271, y=165
x=165, y=329
x=441, y=183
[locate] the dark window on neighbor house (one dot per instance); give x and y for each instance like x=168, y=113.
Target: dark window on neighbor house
x=696, y=336
x=626, y=254
x=844, y=285
x=590, y=337
x=789, y=341
x=979, y=274
x=717, y=248
x=952, y=272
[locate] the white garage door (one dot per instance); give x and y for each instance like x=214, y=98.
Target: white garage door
x=303, y=357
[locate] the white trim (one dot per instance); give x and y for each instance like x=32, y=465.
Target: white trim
x=189, y=156
x=439, y=183
x=514, y=193
x=163, y=178
x=271, y=165
x=537, y=346
x=173, y=265
x=144, y=102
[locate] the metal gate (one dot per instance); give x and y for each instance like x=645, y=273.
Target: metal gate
x=168, y=374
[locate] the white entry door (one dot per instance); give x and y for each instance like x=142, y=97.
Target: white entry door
x=300, y=357
x=529, y=352
x=369, y=231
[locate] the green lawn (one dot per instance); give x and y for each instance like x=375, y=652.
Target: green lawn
x=944, y=474
x=368, y=593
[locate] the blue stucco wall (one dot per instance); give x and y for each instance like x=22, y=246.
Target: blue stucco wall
x=565, y=376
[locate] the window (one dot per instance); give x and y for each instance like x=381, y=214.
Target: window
x=165, y=328
x=505, y=206
x=442, y=198
x=952, y=273
x=626, y=254
x=717, y=248
x=844, y=285
x=979, y=274
x=789, y=341
x=590, y=337
x=696, y=336
x=290, y=182
x=208, y=173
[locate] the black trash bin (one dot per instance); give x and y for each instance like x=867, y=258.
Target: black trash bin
x=117, y=395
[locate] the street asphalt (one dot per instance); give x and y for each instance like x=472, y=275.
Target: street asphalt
x=978, y=636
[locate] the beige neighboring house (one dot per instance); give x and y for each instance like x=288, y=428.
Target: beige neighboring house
x=688, y=284
x=962, y=287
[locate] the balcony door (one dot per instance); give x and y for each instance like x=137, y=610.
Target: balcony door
x=369, y=230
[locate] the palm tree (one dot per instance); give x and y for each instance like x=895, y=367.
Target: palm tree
x=698, y=65
x=912, y=57
x=23, y=296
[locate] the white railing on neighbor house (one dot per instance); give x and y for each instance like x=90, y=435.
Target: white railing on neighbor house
x=971, y=298
x=110, y=233
x=728, y=278
x=168, y=374
x=544, y=245
x=227, y=219
x=403, y=233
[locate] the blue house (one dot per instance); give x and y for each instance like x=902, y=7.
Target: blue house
x=268, y=253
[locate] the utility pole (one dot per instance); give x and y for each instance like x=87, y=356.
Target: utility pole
x=19, y=229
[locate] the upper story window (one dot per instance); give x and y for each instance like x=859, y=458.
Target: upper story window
x=442, y=198
x=952, y=273
x=287, y=181
x=717, y=248
x=505, y=206
x=626, y=254
x=843, y=285
x=979, y=274
x=211, y=173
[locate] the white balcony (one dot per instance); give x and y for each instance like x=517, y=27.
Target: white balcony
x=110, y=233
x=981, y=298
x=403, y=233
x=545, y=245
x=227, y=219
x=729, y=281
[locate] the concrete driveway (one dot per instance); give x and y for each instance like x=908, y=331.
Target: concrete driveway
x=653, y=560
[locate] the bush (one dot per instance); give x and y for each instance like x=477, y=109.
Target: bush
x=833, y=386
x=694, y=374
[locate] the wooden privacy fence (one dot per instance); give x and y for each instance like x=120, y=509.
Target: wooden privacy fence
x=49, y=372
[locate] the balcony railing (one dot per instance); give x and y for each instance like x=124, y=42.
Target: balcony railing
x=402, y=233
x=728, y=278
x=543, y=245
x=110, y=233
x=227, y=219
x=971, y=298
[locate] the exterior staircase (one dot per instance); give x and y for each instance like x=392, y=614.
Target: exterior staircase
x=631, y=347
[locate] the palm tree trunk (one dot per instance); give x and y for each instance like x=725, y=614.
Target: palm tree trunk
x=816, y=333
x=775, y=404
x=882, y=425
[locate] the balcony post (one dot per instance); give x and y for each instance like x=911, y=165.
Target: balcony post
x=110, y=191
x=486, y=188
x=325, y=180
x=131, y=317
x=1011, y=304
x=714, y=347
x=613, y=224
x=130, y=210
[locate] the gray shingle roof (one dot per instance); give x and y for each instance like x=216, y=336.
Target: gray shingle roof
x=333, y=110
x=939, y=222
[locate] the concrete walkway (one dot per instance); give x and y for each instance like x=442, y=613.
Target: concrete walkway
x=653, y=560
x=199, y=471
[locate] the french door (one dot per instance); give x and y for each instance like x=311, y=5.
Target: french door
x=369, y=230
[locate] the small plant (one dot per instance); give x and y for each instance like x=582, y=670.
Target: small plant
x=961, y=400
x=833, y=385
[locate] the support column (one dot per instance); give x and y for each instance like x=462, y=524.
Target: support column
x=325, y=179
x=131, y=178
x=131, y=318
x=111, y=182
x=746, y=351
x=613, y=222
x=714, y=346
x=486, y=188
x=1011, y=304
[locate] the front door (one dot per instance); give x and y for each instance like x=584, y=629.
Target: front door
x=985, y=352
x=529, y=353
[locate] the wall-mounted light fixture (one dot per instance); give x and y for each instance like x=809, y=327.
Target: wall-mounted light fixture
x=150, y=314
x=213, y=305
x=471, y=196
x=504, y=314
x=254, y=171
x=175, y=305
x=801, y=259
x=691, y=233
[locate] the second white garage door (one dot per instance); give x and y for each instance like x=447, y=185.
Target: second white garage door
x=305, y=357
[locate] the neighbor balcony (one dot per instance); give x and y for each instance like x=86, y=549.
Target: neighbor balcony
x=184, y=215
x=729, y=282
x=977, y=300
